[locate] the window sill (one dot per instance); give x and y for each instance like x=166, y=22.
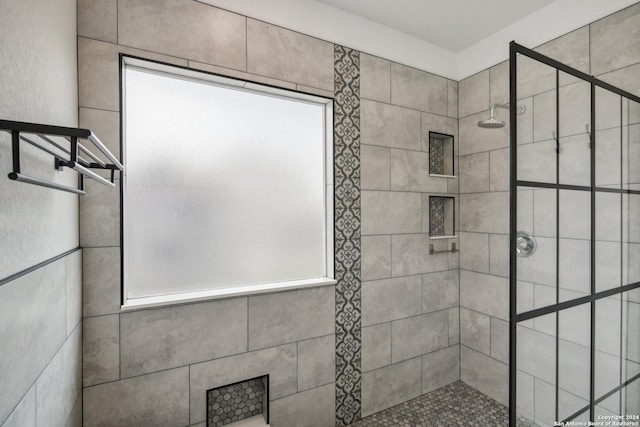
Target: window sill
x=214, y=294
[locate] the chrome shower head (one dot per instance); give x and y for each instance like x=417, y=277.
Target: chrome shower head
x=491, y=123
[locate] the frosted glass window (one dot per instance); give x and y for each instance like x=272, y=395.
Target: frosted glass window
x=225, y=186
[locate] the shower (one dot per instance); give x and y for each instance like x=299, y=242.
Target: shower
x=492, y=122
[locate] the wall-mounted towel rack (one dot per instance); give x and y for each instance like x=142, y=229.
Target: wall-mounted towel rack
x=63, y=144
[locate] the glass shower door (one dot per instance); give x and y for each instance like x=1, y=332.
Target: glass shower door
x=575, y=209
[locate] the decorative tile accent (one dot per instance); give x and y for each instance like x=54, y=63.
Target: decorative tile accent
x=347, y=237
x=235, y=402
x=436, y=156
x=436, y=216
x=454, y=405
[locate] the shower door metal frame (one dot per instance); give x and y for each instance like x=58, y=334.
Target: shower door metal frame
x=514, y=183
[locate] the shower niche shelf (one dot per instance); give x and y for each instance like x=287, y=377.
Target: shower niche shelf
x=442, y=214
x=441, y=155
x=65, y=146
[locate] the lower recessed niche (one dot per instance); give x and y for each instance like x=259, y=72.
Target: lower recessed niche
x=442, y=213
x=238, y=401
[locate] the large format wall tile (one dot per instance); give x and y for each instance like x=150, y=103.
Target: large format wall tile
x=151, y=340
x=279, y=362
x=440, y=368
x=101, y=349
x=440, y=290
x=158, y=399
x=376, y=257
x=73, y=269
x=25, y=413
x=474, y=94
x=499, y=83
x=184, y=29
x=419, y=335
x=485, y=374
x=474, y=139
x=316, y=362
x=291, y=316
x=100, y=215
x=499, y=170
x=615, y=41
x=500, y=340
x=418, y=89
x=385, y=212
x=485, y=294
x=311, y=408
x=439, y=124
x=376, y=346
x=375, y=78
x=536, y=354
x=410, y=255
x=376, y=168
x=228, y=72
x=286, y=55
x=101, y=281
x=485, y=212
x=454, y=325
x=452, y=99
x=61, y=383
x=474, y=173
x=105, y=124
x=571, y=49
x=33, y=326
x=625, y=79
x=475, y=330
x=474, y=252
x=410, y=172
x=390, y=126
x=390, y=299
x=98, y=19
x=391, y=385
x=99, y=72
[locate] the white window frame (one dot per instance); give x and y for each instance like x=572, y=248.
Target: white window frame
x=129, y=62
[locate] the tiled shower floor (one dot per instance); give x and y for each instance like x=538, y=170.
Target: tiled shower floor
x=454, y=405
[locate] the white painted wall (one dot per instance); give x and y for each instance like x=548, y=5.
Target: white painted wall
x=38, y=83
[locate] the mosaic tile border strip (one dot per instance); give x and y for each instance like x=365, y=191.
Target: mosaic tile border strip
x=347, y=234
x=237, y=401
x=456, y=404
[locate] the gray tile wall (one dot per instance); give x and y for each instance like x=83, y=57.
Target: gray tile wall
x=41, y=331
x=399, y=106
x=153, y=366
x=289, y=334
x=605, y=49
x=409, y=298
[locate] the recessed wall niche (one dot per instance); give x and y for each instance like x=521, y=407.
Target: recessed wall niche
x=442, y=213
x=238, y=401
x=441, y=155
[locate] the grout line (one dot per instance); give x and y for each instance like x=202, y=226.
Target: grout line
x=119, y=348
x=247, y=324
x=297, y=367
x=246, y=42
x=408, y=317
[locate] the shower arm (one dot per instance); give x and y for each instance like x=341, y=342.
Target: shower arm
x=494, y=106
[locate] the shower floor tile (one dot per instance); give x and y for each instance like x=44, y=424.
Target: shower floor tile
x=454, y=405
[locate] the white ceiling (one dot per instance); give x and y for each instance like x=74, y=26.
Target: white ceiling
x=451, y=24
x=451, y=38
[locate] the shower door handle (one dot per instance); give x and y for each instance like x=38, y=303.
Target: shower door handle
x=525, y=244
